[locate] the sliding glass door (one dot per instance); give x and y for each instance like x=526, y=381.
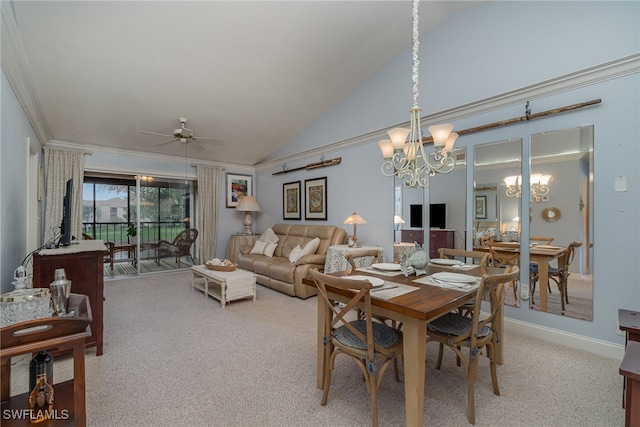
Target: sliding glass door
x=143, y=220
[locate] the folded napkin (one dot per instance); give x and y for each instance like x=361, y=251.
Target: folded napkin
x=429, y=280
x=463, y=267
x=379, y=272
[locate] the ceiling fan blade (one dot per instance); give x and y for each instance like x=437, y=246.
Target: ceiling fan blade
x=154, y=133
x=209, y=140
x=164, y=142
x=196, y=146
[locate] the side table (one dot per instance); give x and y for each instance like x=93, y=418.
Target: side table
x=236, y=241
x=336, y=261
x=401, y=249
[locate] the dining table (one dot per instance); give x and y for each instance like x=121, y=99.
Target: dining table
x=414, y=304
x=540, y=254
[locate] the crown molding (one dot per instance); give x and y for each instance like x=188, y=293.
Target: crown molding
x=16, y=67
x=589, y=76
x=97, y=149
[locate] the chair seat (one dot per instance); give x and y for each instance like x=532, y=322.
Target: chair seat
x=533, y=268
x=454, y=324
x=383, y=335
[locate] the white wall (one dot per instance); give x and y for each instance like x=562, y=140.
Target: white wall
x=501, y=48
x=15, y=131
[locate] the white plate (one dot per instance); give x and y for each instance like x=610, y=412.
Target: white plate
x=549, y=247
x=375, y=281
x=386, y=266
x=455, y=277
x=445, y=261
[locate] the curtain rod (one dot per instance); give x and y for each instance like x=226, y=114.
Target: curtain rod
x=528, y=116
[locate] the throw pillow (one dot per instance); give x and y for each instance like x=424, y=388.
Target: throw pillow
x=295, y=254
x=262, y=248
x=310, y=248
x=269, y=236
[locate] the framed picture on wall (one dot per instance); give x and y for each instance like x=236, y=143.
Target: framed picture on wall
x=238, y=186
x=291, y=200
x=315, y=191
x=481, y=207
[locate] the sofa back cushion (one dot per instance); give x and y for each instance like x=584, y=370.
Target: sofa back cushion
x=291, y=235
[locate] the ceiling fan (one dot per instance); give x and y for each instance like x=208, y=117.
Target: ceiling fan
x=184, y=135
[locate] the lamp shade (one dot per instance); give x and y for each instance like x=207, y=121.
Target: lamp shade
x=397, y=219
x=354, y=218
x=248, y=204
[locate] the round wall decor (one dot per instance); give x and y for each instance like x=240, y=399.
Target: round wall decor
x=551, y=214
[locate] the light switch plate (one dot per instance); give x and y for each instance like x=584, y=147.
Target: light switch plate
x=621, y=183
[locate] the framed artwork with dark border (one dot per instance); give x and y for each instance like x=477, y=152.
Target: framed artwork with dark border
x=315, y=206
x=481, y=207
x=238, y=186
x=291, y=200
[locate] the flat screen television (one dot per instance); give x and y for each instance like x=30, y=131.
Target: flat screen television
x=438, y=215
x=65, y=226
x=415, y=216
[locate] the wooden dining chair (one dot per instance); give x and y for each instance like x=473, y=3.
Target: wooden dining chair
x=541, y=240
x=485, y=241
x=477, y=257
x=372, y=345
x=503, y=255
x=358, y=258
x=560, y=275
x=459, y=332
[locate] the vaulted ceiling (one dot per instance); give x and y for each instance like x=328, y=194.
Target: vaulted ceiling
x=250, y=73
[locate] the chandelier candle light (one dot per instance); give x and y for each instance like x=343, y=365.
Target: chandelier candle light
x=248, y=204
x=354, y=219
x=539, y=185
x=407, y=160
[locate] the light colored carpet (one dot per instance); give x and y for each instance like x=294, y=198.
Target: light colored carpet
x=175, y=358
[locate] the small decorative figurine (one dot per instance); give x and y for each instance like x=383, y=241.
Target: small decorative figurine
x=416, y=262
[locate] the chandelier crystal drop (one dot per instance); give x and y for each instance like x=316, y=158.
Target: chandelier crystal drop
x=407, y=160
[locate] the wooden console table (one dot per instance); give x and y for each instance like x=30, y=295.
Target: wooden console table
x=629, y=322
x=58, y=334
x=83, y=263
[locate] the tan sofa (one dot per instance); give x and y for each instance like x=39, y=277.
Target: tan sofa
x=277, y=272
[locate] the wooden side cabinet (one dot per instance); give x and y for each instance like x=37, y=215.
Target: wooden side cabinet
x=84, y=268
x=440, y=238
x=69, y=397
x=629, y=323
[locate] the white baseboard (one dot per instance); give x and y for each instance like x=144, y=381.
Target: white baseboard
x=556, y=336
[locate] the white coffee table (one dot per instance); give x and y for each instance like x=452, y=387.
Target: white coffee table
x=227, y=285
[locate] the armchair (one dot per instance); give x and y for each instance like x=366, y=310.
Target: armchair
x=179, y=247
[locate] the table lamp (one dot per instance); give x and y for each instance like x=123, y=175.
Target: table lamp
x=397, y=220
x=248, y=204
x=354, y=219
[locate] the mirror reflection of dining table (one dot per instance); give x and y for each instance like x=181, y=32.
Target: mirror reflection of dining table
x=414, y=305
x=540, y=254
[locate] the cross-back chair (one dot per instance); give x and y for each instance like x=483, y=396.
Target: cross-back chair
x=358, y=258
x=541, y=239
x=502, y=255
x=372, y=345
x=477, y=257
x=179, y=247
x=458, y=332
x=560, y=275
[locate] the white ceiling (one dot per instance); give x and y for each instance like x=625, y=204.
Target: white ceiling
x=253, y=74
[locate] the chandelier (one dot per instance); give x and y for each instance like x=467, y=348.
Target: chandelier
x=408, y=160
x=539, y=185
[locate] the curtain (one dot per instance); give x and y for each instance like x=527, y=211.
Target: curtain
x=208, y=205
x=60, y=165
